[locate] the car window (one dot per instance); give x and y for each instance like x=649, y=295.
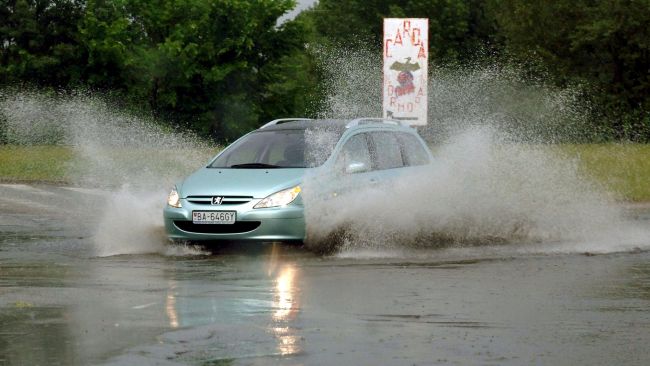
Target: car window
x=355, y=150
x=285, y=152
x=387, y=150
x=241, y=155
x=412, y=149
x=275, y=148
x=283, y=148
x=280, y=148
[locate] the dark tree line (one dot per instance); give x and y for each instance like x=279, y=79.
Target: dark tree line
x=601, y=45
x=217, y=66
x=222, y=67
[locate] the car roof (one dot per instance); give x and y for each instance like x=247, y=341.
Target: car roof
x=337, y=125
x=308, y=124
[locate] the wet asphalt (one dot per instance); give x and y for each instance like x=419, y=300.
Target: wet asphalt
x=62, y=304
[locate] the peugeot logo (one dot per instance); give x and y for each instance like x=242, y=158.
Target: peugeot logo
x=217, y=200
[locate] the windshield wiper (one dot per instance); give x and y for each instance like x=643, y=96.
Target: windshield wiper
x=253, y=166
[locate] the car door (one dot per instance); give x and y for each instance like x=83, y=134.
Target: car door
x=414, y=152
x=354, y=164
x=388, y=158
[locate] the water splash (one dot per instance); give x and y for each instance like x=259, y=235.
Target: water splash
x=486, y=93
x=133, y=160
x=503, y=97
x=477, y=192
x=354, y=86
x=497, y=178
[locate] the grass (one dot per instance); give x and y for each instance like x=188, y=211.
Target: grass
x=34, y=163
x=622, y=168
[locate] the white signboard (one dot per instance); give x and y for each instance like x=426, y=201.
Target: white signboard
x=405, y=69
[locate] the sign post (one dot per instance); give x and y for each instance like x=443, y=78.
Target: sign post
x=405, y=69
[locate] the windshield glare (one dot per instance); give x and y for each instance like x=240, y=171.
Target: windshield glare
x=274, y=149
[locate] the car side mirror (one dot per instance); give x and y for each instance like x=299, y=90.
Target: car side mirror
x=356, y=167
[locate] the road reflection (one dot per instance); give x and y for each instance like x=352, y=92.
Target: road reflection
x=288, y=341
x=286, y=304
x=170, y=304
x=271, y=285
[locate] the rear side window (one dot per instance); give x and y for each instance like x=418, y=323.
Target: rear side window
x=388, y=153
x=414, y=153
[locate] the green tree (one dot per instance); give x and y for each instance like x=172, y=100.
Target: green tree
x=603, y=44
x=38, y=42
x=457, y=28
x=210, y=64
x=220, y=67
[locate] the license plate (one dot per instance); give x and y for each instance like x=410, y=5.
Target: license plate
x=214, y=217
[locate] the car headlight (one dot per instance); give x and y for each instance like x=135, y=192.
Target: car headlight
x=173, y=199
x=281, y=198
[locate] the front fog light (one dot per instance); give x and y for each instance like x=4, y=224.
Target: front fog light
x=174, y=200
x=281, y=198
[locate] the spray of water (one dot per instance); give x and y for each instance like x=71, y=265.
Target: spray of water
x=496, y=178
x=353, y=88
x=491, y=94
x=133, y=161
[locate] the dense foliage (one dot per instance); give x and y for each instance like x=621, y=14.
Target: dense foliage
x=222, y=67
x=604, y=44
x=219, y=66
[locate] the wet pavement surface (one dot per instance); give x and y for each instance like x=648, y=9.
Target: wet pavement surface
x=61, y=304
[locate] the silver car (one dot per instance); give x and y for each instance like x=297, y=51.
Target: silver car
x=252, y=189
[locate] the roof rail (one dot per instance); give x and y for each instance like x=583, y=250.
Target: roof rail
x=361, y=121
x=283, y=120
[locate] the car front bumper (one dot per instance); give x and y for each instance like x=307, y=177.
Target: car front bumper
x=284, y=223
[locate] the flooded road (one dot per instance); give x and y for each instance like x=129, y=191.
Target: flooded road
x=62, y=304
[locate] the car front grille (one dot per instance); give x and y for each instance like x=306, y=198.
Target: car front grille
x=236, y=228
x=227, y=200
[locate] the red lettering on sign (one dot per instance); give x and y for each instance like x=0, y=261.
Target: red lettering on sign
x=415, y=40
x=398, y=38
x=408, y=107
x=388, y=42
x=422, y=53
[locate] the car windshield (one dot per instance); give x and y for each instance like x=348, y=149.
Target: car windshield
x=298, y=148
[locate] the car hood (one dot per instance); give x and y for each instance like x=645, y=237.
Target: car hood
x=257, y=183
